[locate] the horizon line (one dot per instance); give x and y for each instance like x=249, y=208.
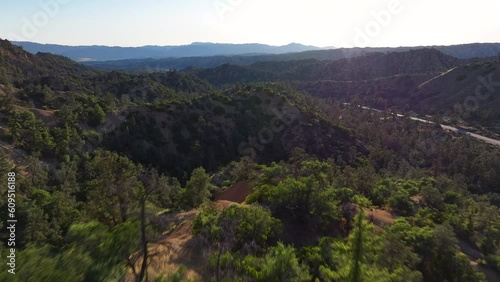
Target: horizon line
x=251, y=43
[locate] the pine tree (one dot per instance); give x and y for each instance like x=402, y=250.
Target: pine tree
x=358, y=243
x=97, y=116
x=198, y=187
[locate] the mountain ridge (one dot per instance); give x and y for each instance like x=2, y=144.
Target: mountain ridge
x=464, y=52
x=103, y=53
x=209, y=54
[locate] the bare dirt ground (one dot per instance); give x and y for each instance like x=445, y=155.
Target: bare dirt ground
x=238, y=193
x=47, y=116
x=17, y=156
x=379, y=217
x=418, y=199
x=178, y=248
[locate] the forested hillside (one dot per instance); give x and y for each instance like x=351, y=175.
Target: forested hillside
x=423, y=81
x=366, y=67
x=256, y=173
x=464, y=51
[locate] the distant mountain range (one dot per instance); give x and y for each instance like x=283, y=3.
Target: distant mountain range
x=215, y=54
x=197, y=49
x=465, y=52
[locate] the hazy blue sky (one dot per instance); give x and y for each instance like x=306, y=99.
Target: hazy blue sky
x=276, y=22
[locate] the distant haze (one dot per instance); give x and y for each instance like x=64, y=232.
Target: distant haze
x=102, y=53
x=214, y=54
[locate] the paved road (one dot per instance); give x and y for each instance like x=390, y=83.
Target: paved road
x=461, y=131
x=477, y=136
x=446, y=127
